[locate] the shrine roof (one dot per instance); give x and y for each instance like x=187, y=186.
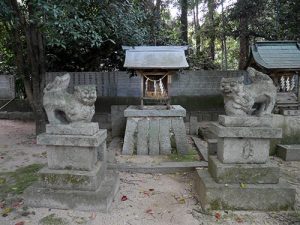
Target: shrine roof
x=155, y=57
x=276, y=54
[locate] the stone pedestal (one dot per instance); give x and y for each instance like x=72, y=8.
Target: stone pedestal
x=241, y=177
x=154, y=130
x=76, y=176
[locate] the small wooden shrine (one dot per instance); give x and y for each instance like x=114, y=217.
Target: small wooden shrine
x=281, y=61
x=155, y=65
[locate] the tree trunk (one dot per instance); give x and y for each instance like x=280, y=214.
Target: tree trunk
x=212, y=31
x=34, y=61
x=197, y=28
x=244, y=42
x=184, y=22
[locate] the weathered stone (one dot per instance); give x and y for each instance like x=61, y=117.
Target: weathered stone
x=201, y=148
x=67, y=157
x=72, y=140
x=62, y=107
x=154, y=137
x=212, y=146
x=151, y=111
x=243, y=150
x=194, y=125
x=102, y=152
x=267, y=173
x=245, y=121
x=289, y=152
x=246, y=132
x=164, y=136
x=85, y=129
x=142, y=137
x=180, y=135
x=130, y=136
x=239, y=98
x=99, y=200
x=73, y=179
x=118, y=121
x=271, y=197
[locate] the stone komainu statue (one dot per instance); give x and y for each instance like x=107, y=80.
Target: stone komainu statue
x=62, y=107
x=257, y=98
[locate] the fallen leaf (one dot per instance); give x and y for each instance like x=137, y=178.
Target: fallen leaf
x=181, y=201
x=151, y=189
x=6, y=211
x=93, y=216
x=20, y=223
x=2, y=180
x=149, y=211
x=124, y=198
x=242, y=185
x=218, y=216
x=239, y=220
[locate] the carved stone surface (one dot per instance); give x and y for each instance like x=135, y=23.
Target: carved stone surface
x=239, y=98
x=63, y=107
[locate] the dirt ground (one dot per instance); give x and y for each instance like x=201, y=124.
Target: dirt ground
x=143, y=198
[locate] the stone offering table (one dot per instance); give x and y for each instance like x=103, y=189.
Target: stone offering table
x=76, y=176
x=241, y=176
x=150, y=130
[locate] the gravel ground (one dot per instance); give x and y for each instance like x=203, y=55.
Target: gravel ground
x=147, y=199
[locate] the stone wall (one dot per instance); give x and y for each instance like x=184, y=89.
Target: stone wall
x=120, y=84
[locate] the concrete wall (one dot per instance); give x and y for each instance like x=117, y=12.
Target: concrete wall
x=7, y=87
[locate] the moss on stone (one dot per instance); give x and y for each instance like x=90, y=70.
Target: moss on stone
x=52, y=219
x=16, y=182
x=63, y=178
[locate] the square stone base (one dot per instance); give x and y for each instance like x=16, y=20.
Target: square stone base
x=243, y=173
x=243, y=150
x=264, y=197
x=289, y=152
x=73, y=179
x=100, y=200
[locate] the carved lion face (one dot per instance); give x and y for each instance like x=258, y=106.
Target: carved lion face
x=231, y=85
x=86, y=94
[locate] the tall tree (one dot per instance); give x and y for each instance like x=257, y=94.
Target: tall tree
x=211, y=5
x=184, y=21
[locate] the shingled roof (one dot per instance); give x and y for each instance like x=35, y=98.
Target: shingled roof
x=277, y=54
x=155, y=57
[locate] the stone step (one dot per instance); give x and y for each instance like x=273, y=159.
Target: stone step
x=73, y=179
x=243, y=173
x=263, y=197
x=289, y=152
x=91, y=201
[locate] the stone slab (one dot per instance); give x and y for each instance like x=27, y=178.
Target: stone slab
x=246, y=132
x=154, y=168
x=243, y=150
x=263, y=197
x=130, y=136
x=154, y=137
x=99, y=201
x=194, y=125
x=85, y=129
x=72, y=140
x=290, y=112
x=164, y=136
x=201, y=148
x=243, y=173
x=118, y=121
x=142, y=137
x=72, y=157
x=245, y=121
x=73, y=179
x=212, y=146
x=150, y=111
x=178, y=128
x=289, y=152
